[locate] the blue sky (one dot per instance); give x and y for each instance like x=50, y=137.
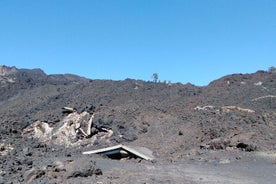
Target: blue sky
x=183, y=41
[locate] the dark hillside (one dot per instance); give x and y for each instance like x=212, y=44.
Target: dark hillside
x=254, y=91
x=176, y=121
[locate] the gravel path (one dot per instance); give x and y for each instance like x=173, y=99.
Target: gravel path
x=250, y=169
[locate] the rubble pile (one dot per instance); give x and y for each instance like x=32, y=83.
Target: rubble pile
x=75, y=129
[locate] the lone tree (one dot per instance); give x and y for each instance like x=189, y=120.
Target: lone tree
x=272, y=69
x=155, y=77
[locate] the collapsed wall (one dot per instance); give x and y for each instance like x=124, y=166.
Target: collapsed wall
x=75, y=129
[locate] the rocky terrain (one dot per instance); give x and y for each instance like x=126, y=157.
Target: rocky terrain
x=221, y=133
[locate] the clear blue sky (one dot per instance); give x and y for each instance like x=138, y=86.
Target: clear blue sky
x=184, y=41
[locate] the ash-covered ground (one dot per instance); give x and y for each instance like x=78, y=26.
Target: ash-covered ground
x=221, y=133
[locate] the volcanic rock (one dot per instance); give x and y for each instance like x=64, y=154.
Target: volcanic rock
x=232, y=115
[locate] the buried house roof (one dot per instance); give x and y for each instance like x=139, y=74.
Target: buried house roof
x=122, y=150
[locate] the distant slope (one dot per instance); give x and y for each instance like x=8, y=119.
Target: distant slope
x=170, y=118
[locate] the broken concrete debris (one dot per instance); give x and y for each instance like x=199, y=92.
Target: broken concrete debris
x=68, y=110
x=121, y=151
x=74, y=129
x=39, y=130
